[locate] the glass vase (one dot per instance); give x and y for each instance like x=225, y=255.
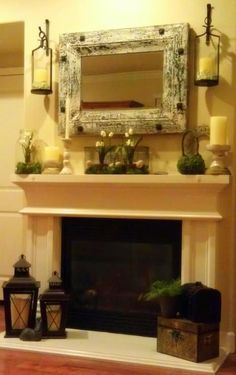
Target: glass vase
x=27, y=153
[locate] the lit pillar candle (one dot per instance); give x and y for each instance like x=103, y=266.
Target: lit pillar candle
x=218, y=130
x=206, y=67
x=41, y=75
x=67, y=125
x=51, y=153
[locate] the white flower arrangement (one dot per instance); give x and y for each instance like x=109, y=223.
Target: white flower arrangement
x=122, y=160
x=104, y=146
x=27, y=145
x=130, y=145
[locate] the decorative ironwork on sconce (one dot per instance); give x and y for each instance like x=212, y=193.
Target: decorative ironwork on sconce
x=42, y=65
x=207, y=51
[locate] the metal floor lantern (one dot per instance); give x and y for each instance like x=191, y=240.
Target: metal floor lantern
x=53, y=306
x=20, y=299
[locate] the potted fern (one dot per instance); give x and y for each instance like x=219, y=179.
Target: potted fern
x=167, y=293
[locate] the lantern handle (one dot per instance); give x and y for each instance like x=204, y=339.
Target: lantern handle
x=44, y=37
x=208, y=24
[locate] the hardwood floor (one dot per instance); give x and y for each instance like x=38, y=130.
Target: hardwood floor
x=13, y=362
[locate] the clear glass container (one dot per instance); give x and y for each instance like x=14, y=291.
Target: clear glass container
x=41, y=71
x=28, y=153
x=114, y=161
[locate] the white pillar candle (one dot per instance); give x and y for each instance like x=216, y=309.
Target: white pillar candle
x=67, y=125
x=206, y=67
x=51, y=153
x=218, y=130
x=40, y=75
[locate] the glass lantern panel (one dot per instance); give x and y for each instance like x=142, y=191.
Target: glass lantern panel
x=53, y=313
x=41, y=71
x=20, y=310
x=207, y=59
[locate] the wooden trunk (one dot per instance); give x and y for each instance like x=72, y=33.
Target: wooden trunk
x=195, y=342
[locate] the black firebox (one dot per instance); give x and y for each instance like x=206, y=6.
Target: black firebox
x=107, y=264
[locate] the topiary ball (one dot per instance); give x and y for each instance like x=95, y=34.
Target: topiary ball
x=191, y=164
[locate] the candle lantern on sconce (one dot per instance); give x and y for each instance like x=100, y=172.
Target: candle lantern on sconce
x=20, y=299
x=42, y=65
x=53, y=306
x=207, y=51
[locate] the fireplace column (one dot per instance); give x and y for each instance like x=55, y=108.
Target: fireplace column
x=43, y=247
x=199, y=241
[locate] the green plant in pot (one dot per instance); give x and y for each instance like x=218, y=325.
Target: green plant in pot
x=167, y=293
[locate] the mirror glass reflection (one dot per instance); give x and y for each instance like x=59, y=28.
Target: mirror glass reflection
x=131, y=80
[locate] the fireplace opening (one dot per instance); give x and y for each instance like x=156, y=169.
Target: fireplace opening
x=106, y=266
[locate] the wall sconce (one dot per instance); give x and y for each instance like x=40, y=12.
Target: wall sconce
x=20, y=299
x=42, y=65
x=53, y=306
x=207, y=50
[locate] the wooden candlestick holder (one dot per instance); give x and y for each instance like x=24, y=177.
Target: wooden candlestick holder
x=67, y=169
x=218, y=159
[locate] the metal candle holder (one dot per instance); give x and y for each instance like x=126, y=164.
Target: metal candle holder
x=67, y=169
x=218, y=159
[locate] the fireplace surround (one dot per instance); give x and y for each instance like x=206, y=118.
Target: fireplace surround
x=195, y=200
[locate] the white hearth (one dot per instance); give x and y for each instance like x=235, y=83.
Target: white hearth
x=192, y=199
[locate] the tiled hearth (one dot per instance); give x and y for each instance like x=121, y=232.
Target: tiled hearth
x=192, y=199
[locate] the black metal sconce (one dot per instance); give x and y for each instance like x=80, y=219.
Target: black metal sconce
x=53, y=306
x=20, y=299
x=207, y=51
x=42, y=65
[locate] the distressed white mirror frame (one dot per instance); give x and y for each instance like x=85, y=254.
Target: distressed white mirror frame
x=170, y=118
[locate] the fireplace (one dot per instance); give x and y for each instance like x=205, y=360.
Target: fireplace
x=195, y=201
x=107, y=265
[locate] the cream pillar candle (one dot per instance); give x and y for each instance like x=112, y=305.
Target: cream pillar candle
x=218, y=130
x=67, y=125
x=51, y=153
x=206, y=67
x=40, y=75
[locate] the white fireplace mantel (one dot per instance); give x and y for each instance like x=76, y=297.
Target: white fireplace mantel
x=195, y=200
x=165, y=196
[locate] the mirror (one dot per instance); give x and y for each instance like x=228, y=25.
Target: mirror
x=116, y=79
x=132, y=81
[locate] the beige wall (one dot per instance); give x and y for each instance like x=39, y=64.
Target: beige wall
x=79, y=15
x=11, y=199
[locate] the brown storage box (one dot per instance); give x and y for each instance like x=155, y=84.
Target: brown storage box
x=195, y=342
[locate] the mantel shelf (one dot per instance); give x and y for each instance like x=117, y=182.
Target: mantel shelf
x=161, y=196
x=171, y=180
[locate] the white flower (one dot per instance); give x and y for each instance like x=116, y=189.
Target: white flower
x=103, y=133
x=28, y=133
x=126, y=135
x=99, y=144
x=110, y=135
x=22, y=142
x=131, y=132
x=128, y=142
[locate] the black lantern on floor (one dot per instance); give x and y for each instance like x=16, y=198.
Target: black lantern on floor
x=53, y=306
x=207, y=51
x=20, y=299
x=42, y=65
